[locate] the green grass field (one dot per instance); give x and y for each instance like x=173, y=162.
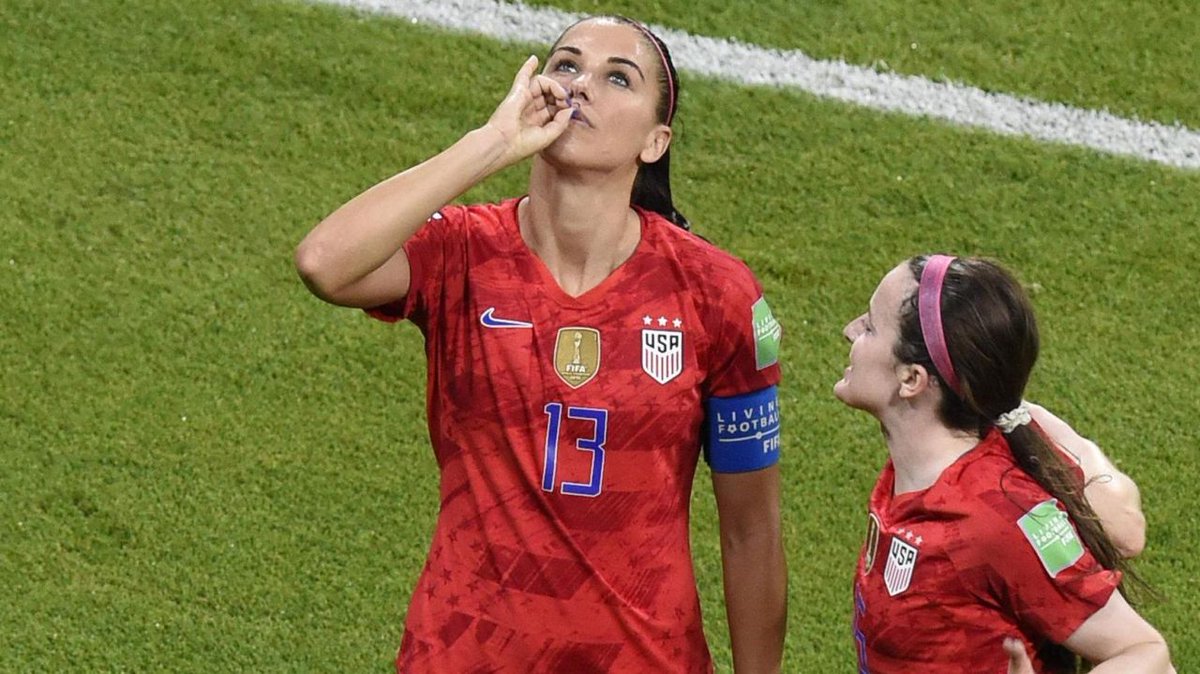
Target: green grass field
x=1131, y=58
x=206, y=469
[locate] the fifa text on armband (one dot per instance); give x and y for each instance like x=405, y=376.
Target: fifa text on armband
x=771, y=444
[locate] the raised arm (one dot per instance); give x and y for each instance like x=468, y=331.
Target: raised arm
x=1111, y=493
x=354, y=257
x=754, y=568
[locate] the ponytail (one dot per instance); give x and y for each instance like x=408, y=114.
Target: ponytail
x=652, y=190
x=972, y=327
x=1037, y=456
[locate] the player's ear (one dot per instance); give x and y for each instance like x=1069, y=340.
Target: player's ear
x=913, y=379
x=657, y=143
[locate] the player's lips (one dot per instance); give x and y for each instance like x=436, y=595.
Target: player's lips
x=578, y=117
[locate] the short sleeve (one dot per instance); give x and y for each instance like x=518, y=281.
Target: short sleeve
x=1027, y=555
x=434, y=253
x=744, y=351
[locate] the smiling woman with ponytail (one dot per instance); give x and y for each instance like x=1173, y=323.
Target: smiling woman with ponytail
x=985, y=549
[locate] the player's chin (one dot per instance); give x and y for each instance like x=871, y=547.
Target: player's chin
x=569, y=153
x=841, y=391
x=844, y=392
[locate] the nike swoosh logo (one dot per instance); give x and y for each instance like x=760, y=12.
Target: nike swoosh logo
x=490, y=321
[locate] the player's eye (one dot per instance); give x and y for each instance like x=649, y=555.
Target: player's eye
x=619, y=78
x=566, y=66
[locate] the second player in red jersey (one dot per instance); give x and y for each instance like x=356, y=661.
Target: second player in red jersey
x=938, y=563
x=983, y=553
x=583, y=350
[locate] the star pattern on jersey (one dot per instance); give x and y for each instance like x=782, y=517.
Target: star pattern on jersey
x=909, y=535
x=662, y=321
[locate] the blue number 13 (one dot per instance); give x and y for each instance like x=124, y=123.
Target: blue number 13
x=594, y=444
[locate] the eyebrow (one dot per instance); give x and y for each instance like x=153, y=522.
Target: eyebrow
x=612, y=59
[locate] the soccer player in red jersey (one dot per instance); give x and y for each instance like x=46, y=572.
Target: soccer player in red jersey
x=983, y=554
x=584, y=349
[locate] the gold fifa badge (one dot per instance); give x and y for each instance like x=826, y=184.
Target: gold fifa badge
x=872, y=544
x=577, y=355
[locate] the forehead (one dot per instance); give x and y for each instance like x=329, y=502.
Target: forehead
x=895, y=287
x=605, y=37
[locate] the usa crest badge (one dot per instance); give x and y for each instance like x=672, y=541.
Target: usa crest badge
x=577, y=355
x=902, y=558
x=662, y=354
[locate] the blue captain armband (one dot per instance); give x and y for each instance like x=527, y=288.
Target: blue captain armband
x=742, y=432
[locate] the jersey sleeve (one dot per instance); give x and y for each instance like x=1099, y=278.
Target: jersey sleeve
x=744, y=351
x=1025, y=554
x=742, y=419
x=434, y=253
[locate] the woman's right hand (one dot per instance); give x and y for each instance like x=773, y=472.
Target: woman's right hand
x=533, y=114
x=1018, y=659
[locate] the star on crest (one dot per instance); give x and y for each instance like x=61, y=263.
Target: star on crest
x=662, y=321
x=646, y=320
x=677, y=323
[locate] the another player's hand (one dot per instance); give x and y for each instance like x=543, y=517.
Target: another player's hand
x=1018, y=659
x=533, y=114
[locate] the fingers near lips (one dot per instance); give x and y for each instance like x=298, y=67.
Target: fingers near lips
x=548, y=95
x=552, y=91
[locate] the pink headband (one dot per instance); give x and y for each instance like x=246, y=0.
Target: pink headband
x=666, y=69
x=929, y=309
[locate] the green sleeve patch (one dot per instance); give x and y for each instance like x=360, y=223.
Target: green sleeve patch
x=767, y=334
x=1052, y=536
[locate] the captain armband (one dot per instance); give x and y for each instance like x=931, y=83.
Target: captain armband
x=742, y=432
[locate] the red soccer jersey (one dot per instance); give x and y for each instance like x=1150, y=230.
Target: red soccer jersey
x=567, y=432
x=948, y=572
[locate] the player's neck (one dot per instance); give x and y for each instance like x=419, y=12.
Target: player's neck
x=922, y=451
x=581, y=226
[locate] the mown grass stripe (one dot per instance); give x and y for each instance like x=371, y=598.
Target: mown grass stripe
x=1173, y=145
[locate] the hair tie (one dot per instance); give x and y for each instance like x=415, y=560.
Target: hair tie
x=1009, y=421
x=929, y=309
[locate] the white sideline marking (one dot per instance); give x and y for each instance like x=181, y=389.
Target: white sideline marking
x=1173, y=145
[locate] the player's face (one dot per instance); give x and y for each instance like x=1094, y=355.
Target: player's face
x=872, y=381
x=611, y=73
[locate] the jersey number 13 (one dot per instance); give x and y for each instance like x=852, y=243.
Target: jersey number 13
x=593, y=444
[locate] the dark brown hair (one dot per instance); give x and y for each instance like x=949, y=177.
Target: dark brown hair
x=652, y=186
x=992, y=338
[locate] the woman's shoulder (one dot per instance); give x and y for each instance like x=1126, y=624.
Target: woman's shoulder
x=496, y=212
x=987, y=483
x=491, y=224
x=995, y=495
x=704, y=262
